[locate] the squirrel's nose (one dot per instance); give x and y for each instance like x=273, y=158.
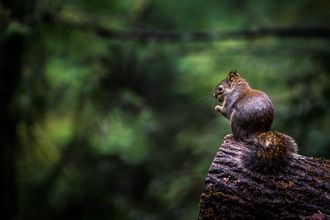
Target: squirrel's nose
x=215, y=94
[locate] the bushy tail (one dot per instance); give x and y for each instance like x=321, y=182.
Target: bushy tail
x=268, y=152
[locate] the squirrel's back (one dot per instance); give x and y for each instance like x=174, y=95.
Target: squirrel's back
x=253, y=113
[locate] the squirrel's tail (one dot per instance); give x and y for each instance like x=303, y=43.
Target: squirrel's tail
x=268, y=152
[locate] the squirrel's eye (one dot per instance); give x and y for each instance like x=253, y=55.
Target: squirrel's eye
x=220, y=88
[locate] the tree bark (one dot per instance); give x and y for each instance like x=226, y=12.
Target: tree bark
x=300, y=191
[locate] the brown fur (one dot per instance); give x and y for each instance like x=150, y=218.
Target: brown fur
x=251, y=114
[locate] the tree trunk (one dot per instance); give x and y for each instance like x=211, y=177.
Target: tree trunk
x=300, y=191
x=11, y=63
x=10, y=73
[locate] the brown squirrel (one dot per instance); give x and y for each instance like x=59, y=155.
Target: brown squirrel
x=251, y=114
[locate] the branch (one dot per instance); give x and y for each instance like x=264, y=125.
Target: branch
x=302, y=191
x=201, y=36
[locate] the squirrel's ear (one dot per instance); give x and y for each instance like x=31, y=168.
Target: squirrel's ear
x=232, y=74
x=237, y=74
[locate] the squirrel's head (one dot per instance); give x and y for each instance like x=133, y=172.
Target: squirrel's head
x=227, y=85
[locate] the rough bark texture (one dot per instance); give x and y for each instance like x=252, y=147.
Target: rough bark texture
x=300, y=191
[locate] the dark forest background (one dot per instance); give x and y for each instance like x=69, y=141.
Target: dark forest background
x=106, y=108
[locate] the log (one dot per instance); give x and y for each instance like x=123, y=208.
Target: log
x=300, y=191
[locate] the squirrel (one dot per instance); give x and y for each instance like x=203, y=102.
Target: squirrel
x=251, y=114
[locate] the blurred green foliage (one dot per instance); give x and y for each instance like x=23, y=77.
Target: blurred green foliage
x=123, y=129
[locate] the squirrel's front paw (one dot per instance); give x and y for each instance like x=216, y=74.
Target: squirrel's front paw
x=218, y=108
x=228, y=136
